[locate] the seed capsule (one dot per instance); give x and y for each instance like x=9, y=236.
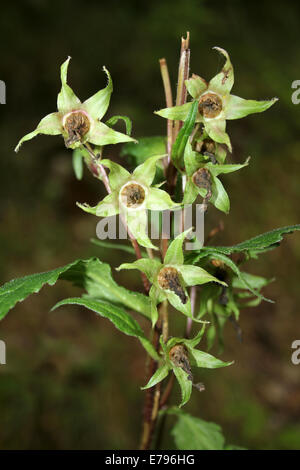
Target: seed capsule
x=202, y=179
x=77, y=124
x=132, y=195
x=179, y=356
x=210, y=105
x=168, y=278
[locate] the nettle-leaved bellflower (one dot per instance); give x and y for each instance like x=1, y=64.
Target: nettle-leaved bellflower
x=170, y=278
x=202, y=178
x=79, y=122
x=132, y=195
x=216, y=104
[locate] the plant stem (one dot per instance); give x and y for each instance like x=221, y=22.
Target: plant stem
x=152, y=398
x=169, y=102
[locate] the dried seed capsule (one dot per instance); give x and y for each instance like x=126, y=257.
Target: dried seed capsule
x=132, y=195
x=206, y=145
x=179, y=356
x=77, y=124
x=202, y=179
x=210, y=105
x=168, y=278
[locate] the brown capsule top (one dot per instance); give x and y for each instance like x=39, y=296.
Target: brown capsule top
x=210, y=105
x=76, y=124
x=132, y=195
x=217, y=263
x=180, y=358
x=206, y=145
x=168, y=278
x=202, y=178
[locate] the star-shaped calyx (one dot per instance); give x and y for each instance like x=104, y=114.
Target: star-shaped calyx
x=78, y=122
x=131, y=196
x=170, y=278
x=215, y=103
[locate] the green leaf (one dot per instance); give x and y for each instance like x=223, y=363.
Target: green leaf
x=233, y=447
x=157, y=377
x=185, y=384
x=253, y=246
x=207, y=361
x=239, y=274
x=99, y=283
x=114, y=119
x=192, y=433
x=183, y=135
x=90, y=274
x=119, y=317
x=18, y=289
x=145, y=148
x=77, y=163
x=255, y=282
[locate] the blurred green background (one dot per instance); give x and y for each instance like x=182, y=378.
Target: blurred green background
x=71, y=380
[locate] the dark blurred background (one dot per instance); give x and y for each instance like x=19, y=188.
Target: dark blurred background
x=71, y=379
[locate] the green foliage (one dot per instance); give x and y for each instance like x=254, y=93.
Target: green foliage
x=145, y=148
x=252, y=247
x=92, y=275
x=192, y=433
x=77, y=162
x=118, y=316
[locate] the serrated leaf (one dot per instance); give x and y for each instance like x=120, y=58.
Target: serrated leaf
x=18, y=289
x=118, y=316
x=90, y=274
x=255, y=282
x=192, y=433
x=258, y=244
x=99, y=283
